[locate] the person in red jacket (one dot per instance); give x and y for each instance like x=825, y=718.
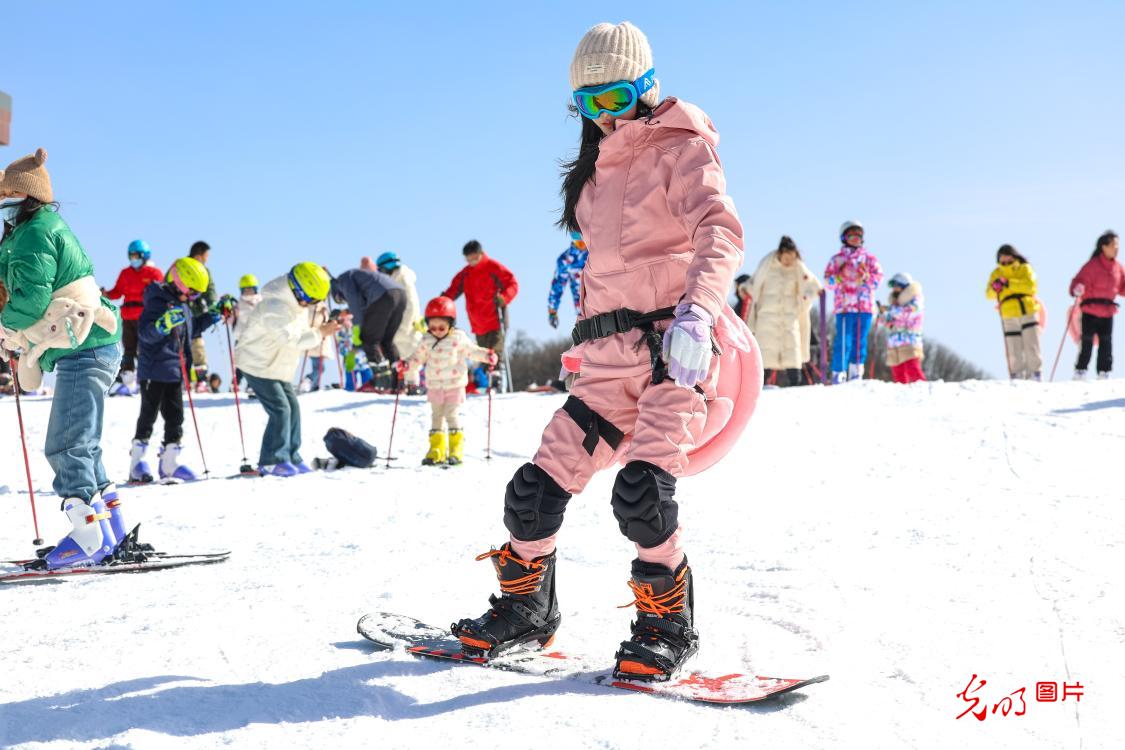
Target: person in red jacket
x=131, y=283
x=1097, y=286
x=489, y=287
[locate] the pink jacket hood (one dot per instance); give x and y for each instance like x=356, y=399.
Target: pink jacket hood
x=659, y=227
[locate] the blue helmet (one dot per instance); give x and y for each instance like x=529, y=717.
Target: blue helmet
x=388, y=261
x=141, y=248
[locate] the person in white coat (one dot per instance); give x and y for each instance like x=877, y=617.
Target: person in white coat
x=270, y=344
x=783, y=290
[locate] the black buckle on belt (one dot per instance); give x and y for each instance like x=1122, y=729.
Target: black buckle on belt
x=605, y=324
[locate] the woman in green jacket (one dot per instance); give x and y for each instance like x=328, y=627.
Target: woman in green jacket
x=1012, y=283
x=58, y=320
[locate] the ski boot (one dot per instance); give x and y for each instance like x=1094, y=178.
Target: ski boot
x=1079, y=374
x=170, y=469
x=456, y=448
x=89, y=543
x=283, y=469
x=439, y=449
x=839, y=378
x=855, y=371
x=116, y=518
x=663, y=633
x=1103, y=376
x=139, y=473
x=302, y=467
x=525, y=611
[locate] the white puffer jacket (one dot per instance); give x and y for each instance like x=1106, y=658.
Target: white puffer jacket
x=277, y=332
x=407, y=336
x=444, y=360
x=780, y=316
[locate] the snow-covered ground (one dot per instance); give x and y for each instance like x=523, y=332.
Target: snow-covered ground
x=901, y=539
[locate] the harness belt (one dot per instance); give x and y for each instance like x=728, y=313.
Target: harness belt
x=1017, y=298
x=595, y=425
x=623, y=321
x=1099, y=301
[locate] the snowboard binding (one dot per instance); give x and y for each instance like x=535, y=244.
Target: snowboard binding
x=526, y=610
x=663, y=634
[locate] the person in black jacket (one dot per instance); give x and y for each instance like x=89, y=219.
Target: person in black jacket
x=164, y=333
x=379, y=302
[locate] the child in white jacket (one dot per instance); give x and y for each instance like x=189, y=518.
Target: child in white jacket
x=443, y=351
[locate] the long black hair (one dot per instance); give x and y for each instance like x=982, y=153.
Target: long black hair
x=1009, y=250
x=1108, y=236
x=28, y=207
x=580, y=170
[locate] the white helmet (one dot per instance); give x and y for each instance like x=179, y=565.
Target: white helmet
x=902, y=279
x=849, y=225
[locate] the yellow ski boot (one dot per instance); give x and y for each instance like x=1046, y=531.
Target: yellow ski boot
x=438, y=449
x=456, y=447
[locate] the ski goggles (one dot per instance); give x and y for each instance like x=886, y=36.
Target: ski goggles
x=615, y=98
x=181, y=287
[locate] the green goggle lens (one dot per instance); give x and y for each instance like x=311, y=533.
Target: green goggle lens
x=617, y=99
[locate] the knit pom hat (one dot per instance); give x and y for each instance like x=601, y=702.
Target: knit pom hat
x=28, y=175
x=609, y=53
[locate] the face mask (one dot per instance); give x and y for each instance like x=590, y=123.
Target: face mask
x=8, y=211
x=136, y=262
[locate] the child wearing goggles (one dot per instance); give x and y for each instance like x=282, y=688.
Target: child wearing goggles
x=648, y=195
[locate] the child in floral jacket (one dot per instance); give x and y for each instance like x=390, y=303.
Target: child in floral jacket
x=903, y=318
x=854, y=274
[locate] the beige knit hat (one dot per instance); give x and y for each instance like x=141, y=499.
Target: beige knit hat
x=28, y=175
x=609, y=53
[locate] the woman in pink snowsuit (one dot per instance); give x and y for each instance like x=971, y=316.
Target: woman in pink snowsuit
x=648, y=194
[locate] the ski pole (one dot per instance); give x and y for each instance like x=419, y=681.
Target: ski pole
x=245, y=468
x=488, y=439
x=874, y=339
x=1066, y=330
x=301, y=372
x=191, y=403
x=394, y=420
x=823, y=338
x=339, y=361
x=1003, y=330
x=38, y=540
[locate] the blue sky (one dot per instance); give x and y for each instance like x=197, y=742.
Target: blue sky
x=283, y=132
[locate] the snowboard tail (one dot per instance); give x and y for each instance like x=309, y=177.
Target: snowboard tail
x=390, y=631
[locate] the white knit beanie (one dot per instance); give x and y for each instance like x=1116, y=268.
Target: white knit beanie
x=609, y=53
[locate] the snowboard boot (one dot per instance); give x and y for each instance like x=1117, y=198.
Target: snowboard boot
x=456, y=447
x=139, y=473
x=439, y=449
x=170, y=469
x=663, y=633
x=525, y=611
x=88, y=543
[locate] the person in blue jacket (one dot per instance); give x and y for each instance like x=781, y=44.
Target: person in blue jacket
x=568, y=270
x=164, y=333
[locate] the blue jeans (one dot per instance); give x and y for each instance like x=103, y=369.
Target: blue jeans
x=850, y=347
x=74, y=430
x=282, y=439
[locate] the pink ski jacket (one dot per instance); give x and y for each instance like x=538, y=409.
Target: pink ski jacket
x=1104, y=279
x=854, y=274
x=660, y=229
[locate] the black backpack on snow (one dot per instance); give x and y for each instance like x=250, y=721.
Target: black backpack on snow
x=350, y=450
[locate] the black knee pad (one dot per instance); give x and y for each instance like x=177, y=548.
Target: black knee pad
x=534, y=504
x=644, y=503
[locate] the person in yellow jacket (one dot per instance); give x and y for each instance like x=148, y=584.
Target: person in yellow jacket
x=1013, y=285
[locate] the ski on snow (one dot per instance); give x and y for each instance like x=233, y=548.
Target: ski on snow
x=151, y=562
x=390, y=631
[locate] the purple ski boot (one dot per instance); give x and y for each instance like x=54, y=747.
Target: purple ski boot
x=170, y=469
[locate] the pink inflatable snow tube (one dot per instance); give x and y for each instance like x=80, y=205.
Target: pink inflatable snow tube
x=739, y=384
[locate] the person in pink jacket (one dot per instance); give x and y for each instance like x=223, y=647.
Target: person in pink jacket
x=443, y=352
x=648, y=194
x=1097, y=286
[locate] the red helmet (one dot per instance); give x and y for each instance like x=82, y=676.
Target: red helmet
x=441, y=307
